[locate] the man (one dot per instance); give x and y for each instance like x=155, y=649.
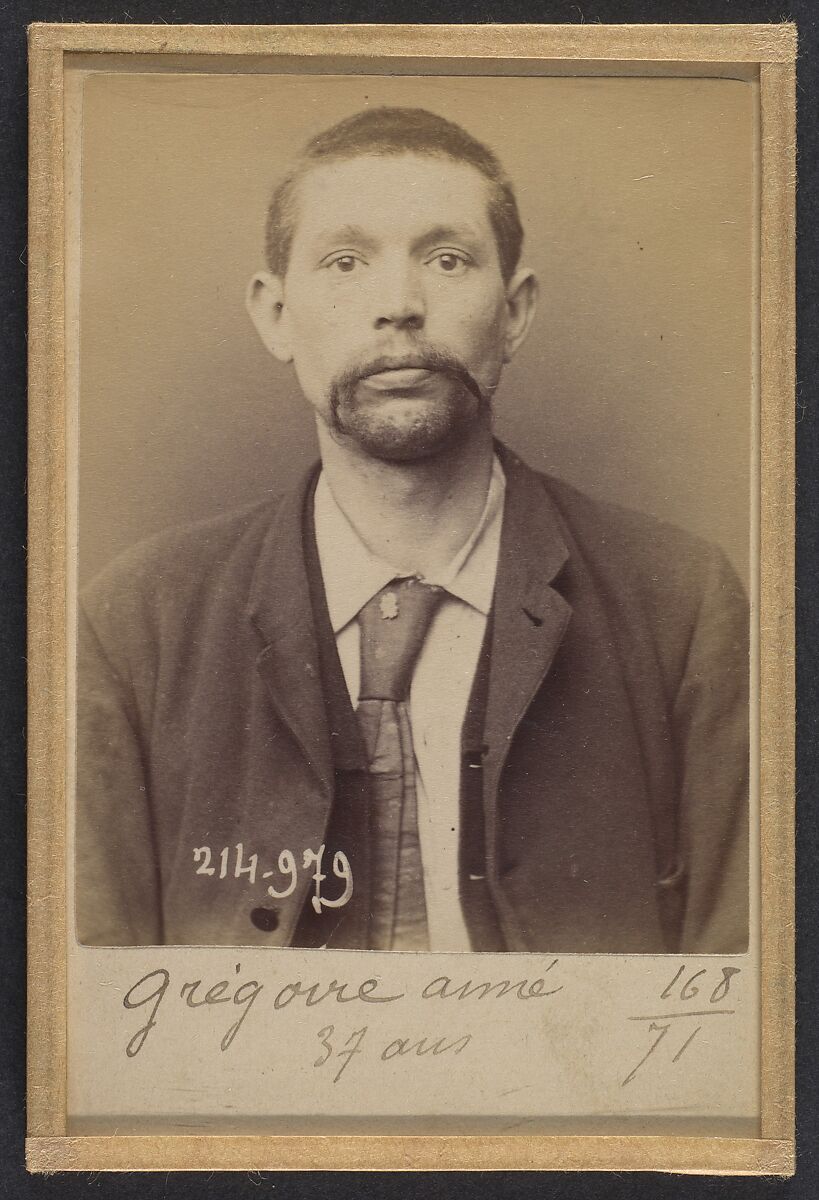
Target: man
x=432, y=699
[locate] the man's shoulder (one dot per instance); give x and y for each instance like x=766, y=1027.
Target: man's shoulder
x=627, y=548
x=656, y=585
x=605, y=523
x=183, y=559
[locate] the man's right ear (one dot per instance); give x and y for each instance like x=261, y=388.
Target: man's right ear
x=265, y=303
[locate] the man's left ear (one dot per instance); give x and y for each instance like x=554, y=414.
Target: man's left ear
x=521, y=301
x=265, y=304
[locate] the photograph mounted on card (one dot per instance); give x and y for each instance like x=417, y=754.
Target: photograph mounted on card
x=411, y=535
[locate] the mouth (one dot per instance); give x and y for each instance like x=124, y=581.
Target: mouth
x=410, y=376
x=398, y=378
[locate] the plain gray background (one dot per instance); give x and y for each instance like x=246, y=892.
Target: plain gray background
x=637, y=197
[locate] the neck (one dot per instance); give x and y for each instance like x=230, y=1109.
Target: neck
x=415, y=515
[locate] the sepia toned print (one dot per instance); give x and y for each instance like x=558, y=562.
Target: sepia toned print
x=428, y=696
x=645, y=375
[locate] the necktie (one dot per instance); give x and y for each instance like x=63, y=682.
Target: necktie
x=393, y=626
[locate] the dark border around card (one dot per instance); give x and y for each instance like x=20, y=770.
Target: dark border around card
x=12, y=470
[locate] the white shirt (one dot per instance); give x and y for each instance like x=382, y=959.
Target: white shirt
x=441, y=682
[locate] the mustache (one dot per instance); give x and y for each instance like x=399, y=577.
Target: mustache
x=427, y=359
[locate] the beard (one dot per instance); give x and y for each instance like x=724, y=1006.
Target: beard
x=412, y=421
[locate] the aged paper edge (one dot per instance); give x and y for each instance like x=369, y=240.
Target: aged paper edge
x=776, y=628
x=712, y=1156
x=46, y=603
x=48, y=1149
x=731, y=43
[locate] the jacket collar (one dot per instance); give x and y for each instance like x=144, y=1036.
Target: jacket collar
x=280, y=609
x=529, y=617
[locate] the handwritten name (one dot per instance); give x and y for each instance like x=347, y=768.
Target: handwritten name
x=149, y=993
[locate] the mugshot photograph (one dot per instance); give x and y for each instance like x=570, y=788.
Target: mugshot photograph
x=429, y=698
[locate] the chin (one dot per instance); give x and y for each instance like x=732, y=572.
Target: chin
x=403, y=430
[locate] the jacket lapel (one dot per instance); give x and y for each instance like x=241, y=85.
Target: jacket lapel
x=529, y=617
x=281, y=611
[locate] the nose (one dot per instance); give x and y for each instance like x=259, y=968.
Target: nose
x=400, y=299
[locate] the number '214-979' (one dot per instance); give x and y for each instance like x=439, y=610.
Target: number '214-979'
x=288, y=867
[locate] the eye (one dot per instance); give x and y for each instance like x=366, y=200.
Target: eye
x=450, y=262
x=343, y=264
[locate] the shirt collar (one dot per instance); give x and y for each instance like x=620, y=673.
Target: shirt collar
x=353, y=574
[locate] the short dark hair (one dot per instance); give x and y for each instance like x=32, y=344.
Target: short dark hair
x=391, y=130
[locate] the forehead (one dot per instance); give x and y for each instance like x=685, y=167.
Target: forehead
x=391, y=194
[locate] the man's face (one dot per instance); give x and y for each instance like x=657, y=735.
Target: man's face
x=393, y=308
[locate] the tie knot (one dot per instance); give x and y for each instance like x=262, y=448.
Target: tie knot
x=394, y=625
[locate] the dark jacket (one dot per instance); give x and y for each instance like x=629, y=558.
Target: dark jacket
x=616, y=738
